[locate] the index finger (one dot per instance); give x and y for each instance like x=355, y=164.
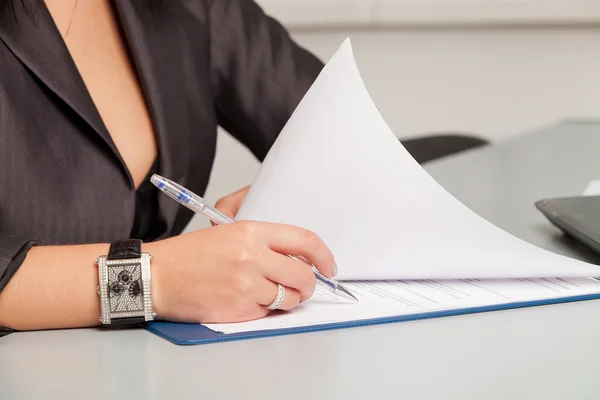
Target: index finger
x=302, y=243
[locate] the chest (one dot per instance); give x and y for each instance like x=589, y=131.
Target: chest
x=95, y=42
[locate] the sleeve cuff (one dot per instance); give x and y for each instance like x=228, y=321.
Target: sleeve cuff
x=13, y=251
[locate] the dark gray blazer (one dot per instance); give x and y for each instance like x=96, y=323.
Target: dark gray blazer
x=201, y=64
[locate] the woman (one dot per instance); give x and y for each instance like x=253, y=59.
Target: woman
x=95, y=96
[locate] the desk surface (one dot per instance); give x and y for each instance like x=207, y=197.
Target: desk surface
x=546, y=352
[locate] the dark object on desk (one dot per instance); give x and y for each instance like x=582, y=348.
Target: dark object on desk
x=429, y=148
x=577, y=216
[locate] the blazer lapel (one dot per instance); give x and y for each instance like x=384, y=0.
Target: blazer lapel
x=37, y=43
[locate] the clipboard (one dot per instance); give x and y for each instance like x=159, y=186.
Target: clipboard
x=197, y=334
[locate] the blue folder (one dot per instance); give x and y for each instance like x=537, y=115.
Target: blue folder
x=194, y=334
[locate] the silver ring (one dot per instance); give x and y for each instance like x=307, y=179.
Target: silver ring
x=278, y=299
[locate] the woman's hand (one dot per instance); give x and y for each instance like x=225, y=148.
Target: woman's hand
x=229, y=205
x=229, y=273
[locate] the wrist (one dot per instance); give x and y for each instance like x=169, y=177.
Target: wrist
x=156, y=289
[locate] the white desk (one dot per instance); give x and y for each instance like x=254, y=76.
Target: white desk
x=547, y=352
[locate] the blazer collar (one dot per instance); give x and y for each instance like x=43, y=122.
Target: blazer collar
x=37, y=43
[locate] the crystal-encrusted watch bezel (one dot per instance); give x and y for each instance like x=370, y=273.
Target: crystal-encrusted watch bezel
x=103, y=289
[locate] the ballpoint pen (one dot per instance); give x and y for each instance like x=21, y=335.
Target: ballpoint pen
x=198, y=204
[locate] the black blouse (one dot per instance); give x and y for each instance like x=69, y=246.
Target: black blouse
x=145, y=222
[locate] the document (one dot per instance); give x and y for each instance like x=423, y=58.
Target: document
x=381, y=299
x=338, y=170
x=592, y=188
x=402, y=243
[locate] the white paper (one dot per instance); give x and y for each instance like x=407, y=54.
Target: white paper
x=396, y=298
x=338, y=170
x=592, y=188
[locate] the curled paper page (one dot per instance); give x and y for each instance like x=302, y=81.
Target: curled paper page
x=338, y=170
x=593, y=188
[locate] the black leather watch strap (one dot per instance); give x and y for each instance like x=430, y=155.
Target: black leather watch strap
x=127, y=321
x=124, y=249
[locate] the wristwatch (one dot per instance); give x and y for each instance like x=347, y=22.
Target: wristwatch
x=124, y=284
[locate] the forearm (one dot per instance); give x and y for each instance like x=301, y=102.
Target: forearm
x=55, y=287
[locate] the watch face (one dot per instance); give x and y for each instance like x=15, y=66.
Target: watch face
x=124, y=287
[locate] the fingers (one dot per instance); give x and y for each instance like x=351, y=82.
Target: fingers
x=229, y=205
x=290, y=273
x=267, y=292
x=288, y=239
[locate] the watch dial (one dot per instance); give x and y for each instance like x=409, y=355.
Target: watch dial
x=124, y=288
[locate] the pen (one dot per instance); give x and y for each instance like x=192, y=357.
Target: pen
x=198, y=204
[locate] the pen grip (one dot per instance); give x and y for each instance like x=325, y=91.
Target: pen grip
x=216, y=215
x=320, y=277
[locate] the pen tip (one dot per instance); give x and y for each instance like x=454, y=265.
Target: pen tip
x=343, y=292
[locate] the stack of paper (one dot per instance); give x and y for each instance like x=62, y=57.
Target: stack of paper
x=408, y=244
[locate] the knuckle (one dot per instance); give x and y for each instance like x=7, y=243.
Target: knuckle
x=243, y=285
x=247, y=229
x=312, y=238
x=313, y=242
x=316, y=245
x=245, y=257
x=307, y=281
x=296, y=296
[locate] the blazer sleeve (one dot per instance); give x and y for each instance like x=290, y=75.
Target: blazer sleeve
x=259, y=74
x=12, y=253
